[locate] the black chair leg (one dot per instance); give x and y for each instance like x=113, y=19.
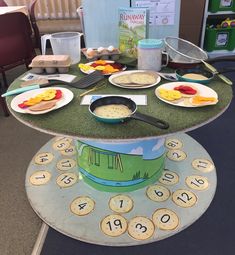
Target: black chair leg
x=4, y=107
x=4, y=79
x=3, y=103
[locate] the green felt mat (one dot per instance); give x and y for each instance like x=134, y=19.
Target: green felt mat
x=75, y=120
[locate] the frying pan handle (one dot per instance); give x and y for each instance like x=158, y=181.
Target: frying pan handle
x=150, y=120
x=219, y=59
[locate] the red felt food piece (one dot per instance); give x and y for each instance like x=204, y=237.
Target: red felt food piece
x=186, y=89
x=23, y=105
x=58, y=94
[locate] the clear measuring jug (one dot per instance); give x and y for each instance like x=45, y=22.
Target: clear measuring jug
x=64, y=43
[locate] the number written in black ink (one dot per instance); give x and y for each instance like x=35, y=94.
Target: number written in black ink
x=141, y=227
x=40, y=177
x=172, y=144
x=67, y=180
x=202, y=164
x=197, y=182
x=158, y=193
x=66, y=163
x=44, y=158
x=176, y=155
x=168, y=177
x=165, y=218
x=117, y=224
x=82, y=206
x=61, y=145
x=184, y=197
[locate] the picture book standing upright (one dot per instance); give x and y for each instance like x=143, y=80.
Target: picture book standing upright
x=133, y=26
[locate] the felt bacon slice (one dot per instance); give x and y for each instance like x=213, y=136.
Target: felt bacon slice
x=42, y=106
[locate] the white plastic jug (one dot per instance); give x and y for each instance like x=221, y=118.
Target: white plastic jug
x=64, y=43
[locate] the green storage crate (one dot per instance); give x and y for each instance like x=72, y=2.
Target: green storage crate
x=221, y=5
x=219, y=39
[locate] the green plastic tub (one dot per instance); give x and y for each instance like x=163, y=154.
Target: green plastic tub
x=219, y=39
x=221, y=5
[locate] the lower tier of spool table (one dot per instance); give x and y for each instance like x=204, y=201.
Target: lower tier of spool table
x=60, y=197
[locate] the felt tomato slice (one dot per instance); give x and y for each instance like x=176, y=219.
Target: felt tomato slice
x=186, y=90
x=23, y=105
x=58, y=94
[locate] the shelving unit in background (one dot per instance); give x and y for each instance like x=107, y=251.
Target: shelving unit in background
x=226, y=34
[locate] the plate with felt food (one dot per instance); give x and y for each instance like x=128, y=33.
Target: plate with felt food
x=40, y=101
x=138, y=79
x=186, y=94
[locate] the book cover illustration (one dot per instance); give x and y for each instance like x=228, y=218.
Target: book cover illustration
x=133, y=26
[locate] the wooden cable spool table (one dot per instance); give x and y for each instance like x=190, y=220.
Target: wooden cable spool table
x=73, y=200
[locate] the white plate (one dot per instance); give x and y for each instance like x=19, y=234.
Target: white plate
x=185, y=102
x=107, y=61
x=132, y=87
x=67, y=96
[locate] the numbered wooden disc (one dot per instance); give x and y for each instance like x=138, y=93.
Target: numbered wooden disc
x=203, y=165
x=82, y=205
x=40, y=177
x=169, y=178
x=66, y=180
x=113, y=225
x=197, y=182
x=141, y=228
x=121, y=204
x=173, y=144
x=176, y=155
x=165, y=219
x=184, y=198
x=158, y=193
x=66, y=164
x=43, y=158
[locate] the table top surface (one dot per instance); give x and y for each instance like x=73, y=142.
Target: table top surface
x=75, y=120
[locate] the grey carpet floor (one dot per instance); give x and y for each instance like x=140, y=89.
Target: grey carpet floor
x=19, y=225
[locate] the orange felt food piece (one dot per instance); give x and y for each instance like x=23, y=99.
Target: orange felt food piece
x=198, y=100
x=109, y=69
x=33, y=101
x=100, y=62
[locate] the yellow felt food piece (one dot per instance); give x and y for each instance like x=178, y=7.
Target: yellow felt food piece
x=99, y=68
x=169, y=94
x=48, y=94
x=85, y=67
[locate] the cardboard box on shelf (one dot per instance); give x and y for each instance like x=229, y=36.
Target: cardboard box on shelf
x=191, y=22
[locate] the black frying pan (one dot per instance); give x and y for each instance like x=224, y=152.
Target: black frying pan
x=131, y=105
